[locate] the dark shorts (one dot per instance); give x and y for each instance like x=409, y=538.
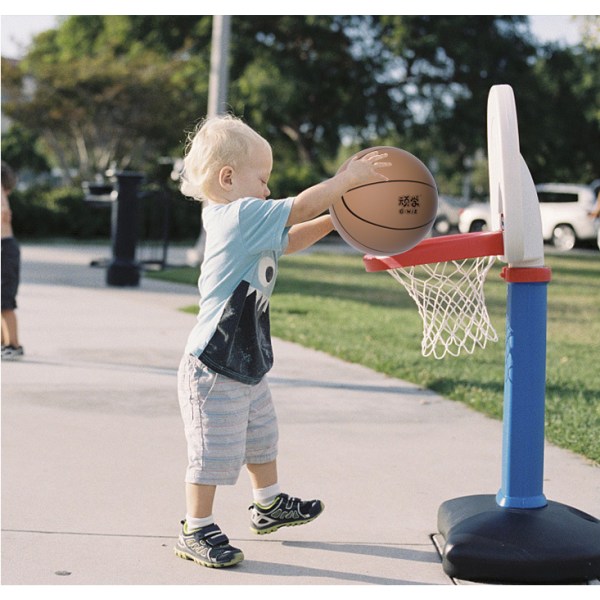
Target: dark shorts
x=11, y=266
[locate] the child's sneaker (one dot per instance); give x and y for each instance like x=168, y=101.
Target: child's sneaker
x=207, y=546
x=12, y=352
x=285, y=511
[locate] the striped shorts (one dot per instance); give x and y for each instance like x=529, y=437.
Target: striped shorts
x=227, y=423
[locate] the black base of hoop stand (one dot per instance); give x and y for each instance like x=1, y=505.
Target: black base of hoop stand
x=491, y=544
x=517, y=536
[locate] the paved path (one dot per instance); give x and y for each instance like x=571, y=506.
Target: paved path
x=93, y=452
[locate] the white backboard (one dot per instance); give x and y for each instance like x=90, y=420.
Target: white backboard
x=514, y=202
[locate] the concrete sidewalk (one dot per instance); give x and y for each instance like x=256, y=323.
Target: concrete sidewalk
x=93, y=453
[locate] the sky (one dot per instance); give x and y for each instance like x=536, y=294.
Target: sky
x=17, y=30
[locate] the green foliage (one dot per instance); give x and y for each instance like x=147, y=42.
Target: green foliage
x=121, y=90
x=41, y=211
x=560, y=116
x=21, y=146
x=299, y=80
x=102, y=99
x=590, y=30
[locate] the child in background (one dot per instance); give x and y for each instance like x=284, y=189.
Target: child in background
x=225, y=401
x=11, y=267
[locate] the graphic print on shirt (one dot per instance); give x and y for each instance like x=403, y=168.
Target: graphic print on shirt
x=241, y=348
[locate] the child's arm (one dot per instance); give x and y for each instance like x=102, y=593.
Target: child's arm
x=304, y=235
x=317, y=199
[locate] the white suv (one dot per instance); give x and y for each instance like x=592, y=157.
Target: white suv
x=565, y=210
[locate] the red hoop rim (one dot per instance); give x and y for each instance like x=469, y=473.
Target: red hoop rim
x=441, y=249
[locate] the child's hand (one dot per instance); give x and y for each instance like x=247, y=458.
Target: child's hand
x=315, y=200
x=365, y=169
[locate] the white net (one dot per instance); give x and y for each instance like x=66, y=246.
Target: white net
x=451, y=302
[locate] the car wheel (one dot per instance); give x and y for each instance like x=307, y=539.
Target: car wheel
x=478, y=226
x=563, y=237
x=442, y=226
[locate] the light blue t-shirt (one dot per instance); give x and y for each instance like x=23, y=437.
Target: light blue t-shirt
x=244, y=240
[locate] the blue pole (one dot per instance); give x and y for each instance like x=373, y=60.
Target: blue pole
x=524, y=389
x=518, y=536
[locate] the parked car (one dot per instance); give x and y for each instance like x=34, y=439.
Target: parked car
x=475, y=217
x=565, y=212
x=449, y=209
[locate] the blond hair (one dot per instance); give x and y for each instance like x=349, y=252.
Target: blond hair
x=218, y=141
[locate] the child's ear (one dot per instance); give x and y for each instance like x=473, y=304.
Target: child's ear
x=226, y=177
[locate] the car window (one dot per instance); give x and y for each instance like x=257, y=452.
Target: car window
x=557, y=197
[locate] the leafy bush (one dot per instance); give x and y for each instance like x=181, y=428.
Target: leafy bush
x=42, y=211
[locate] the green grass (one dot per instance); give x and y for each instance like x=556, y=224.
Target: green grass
x=328, y=302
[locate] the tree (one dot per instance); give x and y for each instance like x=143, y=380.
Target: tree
x=21, y=147
x=103, y=99
x=306, y=83
x=561, y=122
x=301, y=81
x=125, y=89
x=443, y=68
x=590, y=31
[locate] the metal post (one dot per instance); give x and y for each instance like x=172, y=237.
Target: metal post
x=219, y=72
x=217, y=99
x=124, y=270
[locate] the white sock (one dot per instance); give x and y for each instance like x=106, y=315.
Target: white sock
x=193, y=523
x=265, y=496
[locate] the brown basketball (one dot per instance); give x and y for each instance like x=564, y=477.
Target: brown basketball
x=388, y=217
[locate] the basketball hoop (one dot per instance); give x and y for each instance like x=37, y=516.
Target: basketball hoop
x=445, y=277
